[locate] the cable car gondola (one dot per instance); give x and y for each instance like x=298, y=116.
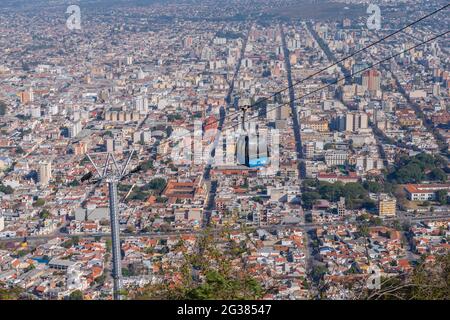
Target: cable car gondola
x=251, y=149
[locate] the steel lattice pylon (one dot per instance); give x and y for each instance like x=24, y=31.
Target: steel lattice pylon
x=112, y=174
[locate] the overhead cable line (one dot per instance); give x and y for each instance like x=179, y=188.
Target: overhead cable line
x=338, y=62
x=330, y=66
x=350, y=76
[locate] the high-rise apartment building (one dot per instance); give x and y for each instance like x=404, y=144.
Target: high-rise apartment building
x=386, y=205
x=45, y=173
x=75, y=129
x=356, y=121
x=371, y=80
x=341, y=207
x=277, y=113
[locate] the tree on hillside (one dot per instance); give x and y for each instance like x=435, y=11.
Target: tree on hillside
x=76, y=295
x=309, y=198
x=372, y=186
x=6, y=189
x=428, y=281
x=412, y=169
x=209, y=272
x=157, y=184
x=411, y=173
x=437, y=174
x=39, y=203
x=442, y=197
x=44, y=214
x=9, y=293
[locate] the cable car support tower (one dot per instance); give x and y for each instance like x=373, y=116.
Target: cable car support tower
x=112, y=174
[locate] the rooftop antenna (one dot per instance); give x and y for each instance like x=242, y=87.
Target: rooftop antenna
x=112, y=174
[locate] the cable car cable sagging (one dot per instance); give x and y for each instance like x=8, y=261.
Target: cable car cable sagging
x=259, y=153
x=353, y=74
x=339, y=61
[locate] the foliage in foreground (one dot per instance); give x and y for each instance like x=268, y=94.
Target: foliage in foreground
x=428, y=281
x=213, y=271
x=9, y=294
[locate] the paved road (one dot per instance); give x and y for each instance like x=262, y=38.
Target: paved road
x=304, y=226
x=299, y=151
x=212, y=185
x=330, y=55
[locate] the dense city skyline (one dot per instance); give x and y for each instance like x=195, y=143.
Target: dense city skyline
x=289, y=150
